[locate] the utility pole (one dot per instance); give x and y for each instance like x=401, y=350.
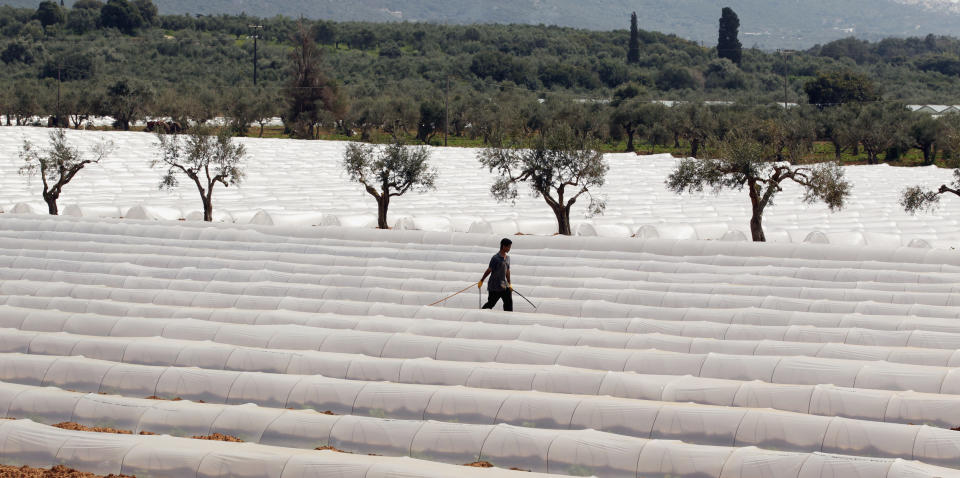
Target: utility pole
x=59, y=68
x=256, y=36
x=446, y=110
x=783, y=54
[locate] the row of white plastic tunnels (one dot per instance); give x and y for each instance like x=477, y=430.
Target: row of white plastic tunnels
x=314, y=331
x=357, y=286
x=292, y=346
x=413, y=244
x=392, y=413
x=853, y=228
x=642, y=358
x=579, y=452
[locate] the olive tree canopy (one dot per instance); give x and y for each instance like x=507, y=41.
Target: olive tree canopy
x=389, y=171
x=558, y=165
x=58, y=164
x=205, y=158
x=746, y=162
x=919, y=199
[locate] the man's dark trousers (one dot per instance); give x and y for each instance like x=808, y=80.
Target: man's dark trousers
x=496, y=295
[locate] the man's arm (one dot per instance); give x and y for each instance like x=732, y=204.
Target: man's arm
x=485, y=274
x=509, y=282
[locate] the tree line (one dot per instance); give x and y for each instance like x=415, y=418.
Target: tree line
x=93, y=45
x=559, y=164
x=360, y=80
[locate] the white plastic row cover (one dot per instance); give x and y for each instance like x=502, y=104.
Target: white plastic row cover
x=537, y=270
x=588, y=302
x=296, y=346
x=470, y=418
x=562, y=277
x=23, y=442
x=231, y=232
x=748, y=323
x=933, y=348
x=881, y=276
x=422, y=390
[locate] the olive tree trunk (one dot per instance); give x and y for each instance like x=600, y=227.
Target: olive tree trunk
x=51, y=201
x=563, y=219
x=383, y=203
x=756, y=219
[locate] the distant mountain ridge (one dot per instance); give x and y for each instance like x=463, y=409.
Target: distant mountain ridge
x=764, y=23
x=952, y=6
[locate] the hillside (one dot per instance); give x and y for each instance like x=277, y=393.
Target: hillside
x=765, y=23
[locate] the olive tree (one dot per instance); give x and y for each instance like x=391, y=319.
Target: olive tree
x=558, y=165
x=923, y=132
x=628, y=116
x=389, y=171
x=58, y=164
x=746, y=162
x=879, y=128
x=207, y=159
x=919, y=199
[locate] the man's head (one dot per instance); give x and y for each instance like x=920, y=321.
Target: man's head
x=505, y=245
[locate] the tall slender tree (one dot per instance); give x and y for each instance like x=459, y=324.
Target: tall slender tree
x=311, y=95
x=728, y=45
x=633, y=51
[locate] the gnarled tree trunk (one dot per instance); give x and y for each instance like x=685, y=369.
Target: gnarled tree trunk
x=207, y=210
x=383, y=203
x=756, y=219
x=51, y=200
x=563, y=219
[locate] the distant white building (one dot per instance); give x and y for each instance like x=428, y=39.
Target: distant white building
x=936, y=110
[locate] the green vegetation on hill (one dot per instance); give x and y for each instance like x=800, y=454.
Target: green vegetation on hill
x=216, y=52
x=768, y=24
x=381, y=81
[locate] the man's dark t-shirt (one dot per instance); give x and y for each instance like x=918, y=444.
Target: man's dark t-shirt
x=498, y=273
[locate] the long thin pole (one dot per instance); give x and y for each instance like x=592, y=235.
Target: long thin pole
x=256, y=36
x=58, y=96
x=452, y=295
x=784, y=54
x=446, y=110
x=525, y=298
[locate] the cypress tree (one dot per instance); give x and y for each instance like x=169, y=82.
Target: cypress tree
x=633, y=51
x=728, y=46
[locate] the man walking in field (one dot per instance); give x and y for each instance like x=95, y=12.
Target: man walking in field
x=499, y=271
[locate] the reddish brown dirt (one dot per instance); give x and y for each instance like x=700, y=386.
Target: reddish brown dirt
x=218, y=437
x=487, y=464
x=58, y=471
x=330, y=448
x=175, y=399
x=84, y=428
